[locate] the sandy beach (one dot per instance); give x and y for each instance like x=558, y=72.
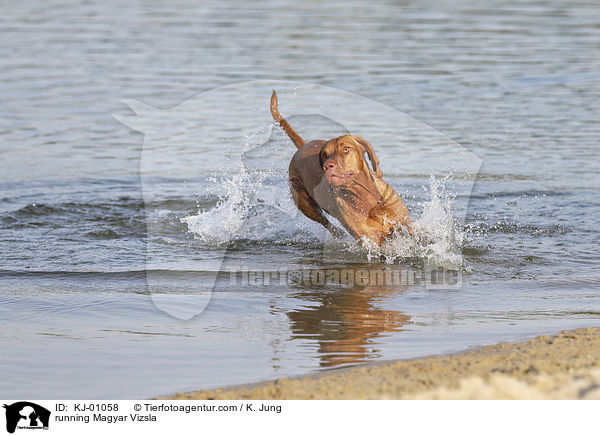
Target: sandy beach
x=566, y=366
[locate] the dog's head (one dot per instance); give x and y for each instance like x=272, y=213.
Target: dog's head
x=343, y=160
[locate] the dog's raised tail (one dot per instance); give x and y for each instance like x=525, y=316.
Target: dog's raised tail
x=296, y=139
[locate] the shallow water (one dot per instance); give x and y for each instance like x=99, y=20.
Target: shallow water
x=90, y=235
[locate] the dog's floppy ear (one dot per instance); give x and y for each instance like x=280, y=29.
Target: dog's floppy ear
x=371, y=153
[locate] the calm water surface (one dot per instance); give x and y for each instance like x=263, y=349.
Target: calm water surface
x=84, y=232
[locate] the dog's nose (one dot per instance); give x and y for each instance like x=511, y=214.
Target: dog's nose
x=328, y=166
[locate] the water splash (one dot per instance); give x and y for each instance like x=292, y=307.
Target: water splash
x=219, y=225
x=255, y=206
x=437, y=237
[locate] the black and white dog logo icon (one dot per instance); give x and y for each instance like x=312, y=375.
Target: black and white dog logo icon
x=26, y=415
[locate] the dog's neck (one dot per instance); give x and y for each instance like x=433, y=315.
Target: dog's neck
x=367, y=211
x=360, y=197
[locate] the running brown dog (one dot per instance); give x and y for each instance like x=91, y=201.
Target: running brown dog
x=333, y=176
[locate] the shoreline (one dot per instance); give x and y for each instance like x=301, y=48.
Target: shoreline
x=565, y=366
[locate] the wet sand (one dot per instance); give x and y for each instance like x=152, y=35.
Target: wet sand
x=566, y=366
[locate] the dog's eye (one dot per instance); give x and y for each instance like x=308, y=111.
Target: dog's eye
x=346, y=149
